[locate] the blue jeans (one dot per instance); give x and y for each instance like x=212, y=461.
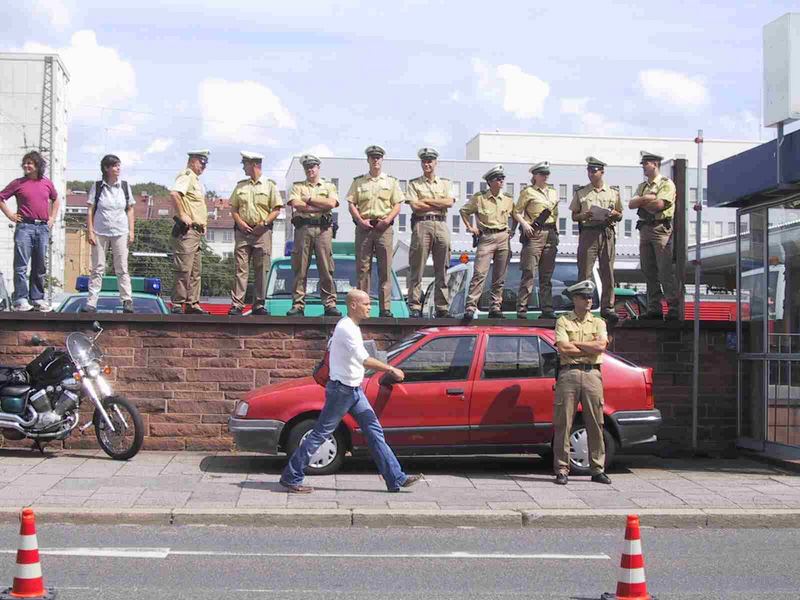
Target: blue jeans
x=30, y=246
x=339, y=400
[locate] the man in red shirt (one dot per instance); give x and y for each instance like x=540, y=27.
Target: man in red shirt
x=37, y=209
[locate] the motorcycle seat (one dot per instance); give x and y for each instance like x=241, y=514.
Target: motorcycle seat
x=14, y=390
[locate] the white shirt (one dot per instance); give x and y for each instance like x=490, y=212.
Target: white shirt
x=347, y=353
x=111, y=218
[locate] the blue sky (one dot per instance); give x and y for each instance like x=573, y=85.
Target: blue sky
x=153, y=79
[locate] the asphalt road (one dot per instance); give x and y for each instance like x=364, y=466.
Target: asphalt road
x=94, y=562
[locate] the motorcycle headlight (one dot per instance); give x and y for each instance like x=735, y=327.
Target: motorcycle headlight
x=93, y=370
x=241, y=409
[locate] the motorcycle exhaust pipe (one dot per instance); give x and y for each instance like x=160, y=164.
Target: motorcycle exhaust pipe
x=7, y=420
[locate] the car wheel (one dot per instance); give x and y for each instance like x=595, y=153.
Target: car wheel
x=330, y=456
x=579, y=463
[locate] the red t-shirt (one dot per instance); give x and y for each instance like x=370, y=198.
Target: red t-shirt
x=33, y=196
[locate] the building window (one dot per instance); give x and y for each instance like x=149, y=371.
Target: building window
x=484, y=186
x=706, y=230
x=456, y=187
x=731, y=228
x=562, y=192
x=227, y=235
x=335, y=182
x=745, y=226
x=718, y=229
x=705, y=196
x=628, y=192
x=510, y=189
x=576, y=230
x=401, y=223
x=628, y=228
x=210, y=235
x=470, y=188
x=562, y=226
x=456, y=224
x=403, y=185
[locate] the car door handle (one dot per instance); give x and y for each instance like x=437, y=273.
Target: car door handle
x=455, y=392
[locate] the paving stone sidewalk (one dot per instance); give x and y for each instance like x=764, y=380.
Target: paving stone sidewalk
x=196, y=480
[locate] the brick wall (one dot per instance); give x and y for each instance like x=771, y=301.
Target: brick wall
x=185, y=373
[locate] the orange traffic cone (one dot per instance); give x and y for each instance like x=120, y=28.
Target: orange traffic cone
x=631, y=584
x=28, y=582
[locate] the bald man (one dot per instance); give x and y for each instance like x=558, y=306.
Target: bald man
x=343, y=394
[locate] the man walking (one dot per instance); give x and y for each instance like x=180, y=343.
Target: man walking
x=343, y=394
x=191, y=217
x=597, y=209
x=536, y=212
x=37, y=210
x=255, y=204
x=655, y=204
x=313, y=200
x=581, y=339
x=429, y=197
x=374, y=200
x=492, y=209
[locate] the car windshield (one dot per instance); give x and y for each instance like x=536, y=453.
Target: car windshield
x=112, y=304
x=564, y=275
x=281, y=280
x=397, y=348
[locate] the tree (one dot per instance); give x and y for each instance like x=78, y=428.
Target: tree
x=79, y=186
x=152, y=189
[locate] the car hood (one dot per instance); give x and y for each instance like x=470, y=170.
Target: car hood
x=283, y=401
x=281, y=389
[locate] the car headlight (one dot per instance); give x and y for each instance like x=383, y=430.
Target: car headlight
x=241, y=409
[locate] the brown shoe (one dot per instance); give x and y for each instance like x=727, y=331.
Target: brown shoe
x=296, y=488
x=411, y=480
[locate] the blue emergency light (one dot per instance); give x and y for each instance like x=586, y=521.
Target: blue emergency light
x=152, y=285
x=288, y=248
x=82, y=283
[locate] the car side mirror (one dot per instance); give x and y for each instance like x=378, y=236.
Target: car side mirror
x=388, y=379
x=96, y=327
x=36, y=340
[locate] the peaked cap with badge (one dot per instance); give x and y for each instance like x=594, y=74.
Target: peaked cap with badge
x=247, y=156
x=309, y=160
x=427, y=154
x=540, y=167
x=374, y=150
x=591, y=161
x=582, y=288
x=496, y=172
x=649, y=156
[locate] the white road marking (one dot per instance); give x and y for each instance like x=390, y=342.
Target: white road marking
x=163, y=553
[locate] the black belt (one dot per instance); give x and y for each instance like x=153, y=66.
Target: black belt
x=579, y=367
x=30, y=221
x=488, y=230
x=236, y=227
x=374, y=222
x=415, y=219
x=548, y=226
x=309, y=223
x=603, y=226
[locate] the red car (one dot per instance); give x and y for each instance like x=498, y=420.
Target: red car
x=467, y=390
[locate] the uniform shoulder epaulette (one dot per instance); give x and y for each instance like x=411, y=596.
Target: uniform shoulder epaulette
x=444, y=178
x=298, y=182
x=357, y=177
x=187, y=171
x=272, y=181
x=245, y=180
x=550, y=186
x=614, y=187
x=416, y=179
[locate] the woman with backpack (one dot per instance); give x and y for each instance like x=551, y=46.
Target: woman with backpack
x=109, y=224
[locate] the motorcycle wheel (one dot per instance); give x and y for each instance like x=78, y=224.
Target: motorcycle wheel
x=126, y=441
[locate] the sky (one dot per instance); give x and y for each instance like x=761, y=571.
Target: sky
x=153, y=80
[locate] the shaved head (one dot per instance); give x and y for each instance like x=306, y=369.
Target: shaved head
x=358, y=305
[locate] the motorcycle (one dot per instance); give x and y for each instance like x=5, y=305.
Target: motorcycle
x=42, y=400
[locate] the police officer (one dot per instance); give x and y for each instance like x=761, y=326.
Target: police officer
x=255, y=204
x=536, y=212
x=313, y=200
x=581, y=339
x=655, y=204
x=597, y=208
x=191, y=217
x=429, y=197
x=374, y=200
x=492, y=209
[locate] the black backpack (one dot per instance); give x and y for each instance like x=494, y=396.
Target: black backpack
x=98, y=189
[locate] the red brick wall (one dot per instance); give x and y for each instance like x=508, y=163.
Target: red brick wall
x=186, y=373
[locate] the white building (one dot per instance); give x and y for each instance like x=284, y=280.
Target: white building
x=33, y=116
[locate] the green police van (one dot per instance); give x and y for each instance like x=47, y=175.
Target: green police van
x=145, y=291
x=281, y=283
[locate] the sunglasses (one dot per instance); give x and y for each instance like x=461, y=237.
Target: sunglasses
x=594, y=169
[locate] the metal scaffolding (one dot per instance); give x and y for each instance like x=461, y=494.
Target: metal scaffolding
x=46, y=148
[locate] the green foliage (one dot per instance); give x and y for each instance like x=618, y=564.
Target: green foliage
x=79, y=186
x=152, y=189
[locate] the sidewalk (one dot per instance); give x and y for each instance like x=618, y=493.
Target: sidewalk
x=242, y=489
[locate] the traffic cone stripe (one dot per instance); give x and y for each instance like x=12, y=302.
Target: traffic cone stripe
x=28, y=542
x=27, y=557
x=632, y=562
x=631, y=576
x=633, y=547
x=29, y=571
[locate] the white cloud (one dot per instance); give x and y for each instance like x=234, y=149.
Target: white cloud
x=98, y=76
x=674, y=88
x=744, y=124
x=54, y=11
x=242, y=112
x=590, y=122
x=438, y=138
x=520, y=93
x=129, y=158
x=159, y=145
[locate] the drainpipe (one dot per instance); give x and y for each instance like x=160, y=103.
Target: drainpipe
x=698, y=207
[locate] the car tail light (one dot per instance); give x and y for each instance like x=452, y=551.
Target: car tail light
x=241, y=409
x=649, y=401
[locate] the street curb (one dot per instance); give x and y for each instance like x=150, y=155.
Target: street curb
x=678, y=518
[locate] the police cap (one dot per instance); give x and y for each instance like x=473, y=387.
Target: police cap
x=427, y=154
x=374, y=151
x=540, y=167
x=496, y=172
x=583, y=288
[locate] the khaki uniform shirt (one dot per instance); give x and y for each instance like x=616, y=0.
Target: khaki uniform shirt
x=569, y=328
x=532, y=201
x=254, y=200
x=587, y=196
x=193, y=196
x=301, y=190
x=492, y=211
x=438, y=189
x=664, y=190
x=374, y=197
